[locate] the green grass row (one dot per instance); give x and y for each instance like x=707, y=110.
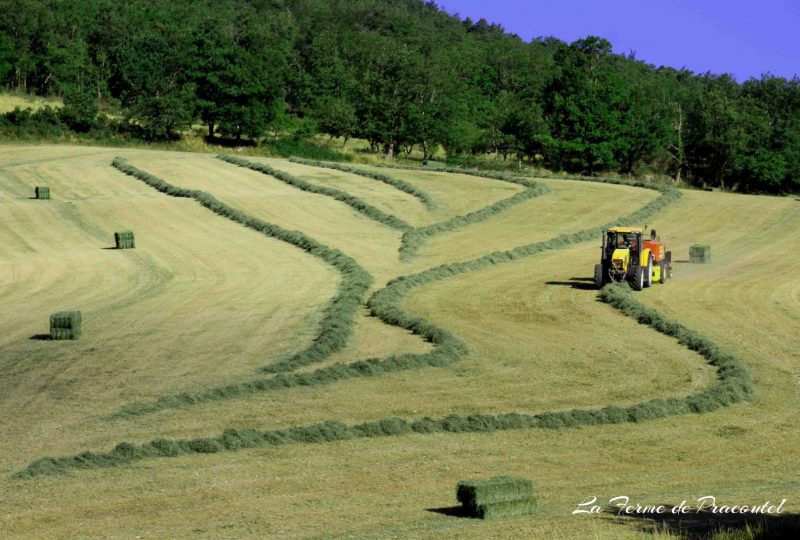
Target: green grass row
x=522, y=181
x=733, y=386
x=402, y=185
x=354, y=202
x=414, y=239
x=336, y=325
x=337, y=322
x=385, y=304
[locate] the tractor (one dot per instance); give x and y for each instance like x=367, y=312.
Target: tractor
x=627, y=255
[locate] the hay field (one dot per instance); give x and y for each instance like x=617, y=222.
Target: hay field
x=203, y=301
x=9, y=102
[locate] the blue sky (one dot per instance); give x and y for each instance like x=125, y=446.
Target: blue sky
x=743, y=38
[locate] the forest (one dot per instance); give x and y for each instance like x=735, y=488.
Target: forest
x=399, y=74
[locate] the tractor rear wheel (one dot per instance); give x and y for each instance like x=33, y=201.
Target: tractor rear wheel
x=599, y=279
x=648, y=277
x=638, y=278
x=662, y=272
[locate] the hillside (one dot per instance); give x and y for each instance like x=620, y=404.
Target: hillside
x=403, y=77
x=239, y=313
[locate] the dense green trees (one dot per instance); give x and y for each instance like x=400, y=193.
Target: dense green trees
x=400, y=74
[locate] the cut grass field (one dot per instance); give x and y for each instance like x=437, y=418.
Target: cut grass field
x=9, y=102
x=203, y=301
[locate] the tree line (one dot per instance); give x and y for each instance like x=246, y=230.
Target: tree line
x=400, y=74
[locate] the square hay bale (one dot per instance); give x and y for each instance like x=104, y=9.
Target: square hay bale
x=42, y=192
x=507, y=509
x=699, y=253
x=497, y=498
x=65, y=325
x=124, y=240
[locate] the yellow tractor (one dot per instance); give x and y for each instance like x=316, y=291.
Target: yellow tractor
x=627, y=255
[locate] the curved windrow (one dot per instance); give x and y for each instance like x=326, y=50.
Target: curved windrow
x=733, y=384
x=385, y=305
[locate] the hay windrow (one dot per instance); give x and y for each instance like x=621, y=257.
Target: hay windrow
x=550, y=176
x=733, y=386
x=384, y=304
x=337, y=322
x=402, y=185
x=413, y=240
x=733, y=381
x=354, y=202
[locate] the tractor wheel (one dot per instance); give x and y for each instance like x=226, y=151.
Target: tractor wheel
x=638, y=278
x=599, y=279
x=648, y=277
x=662, y=273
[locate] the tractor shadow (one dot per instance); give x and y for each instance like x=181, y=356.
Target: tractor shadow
x=580, y=283
x=706, y=525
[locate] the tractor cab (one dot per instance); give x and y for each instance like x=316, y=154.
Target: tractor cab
x=621, y=248
x=628, y=255
x=624, y=257
x=618, y=238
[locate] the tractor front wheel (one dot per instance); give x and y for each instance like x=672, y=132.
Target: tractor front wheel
x=599, y=278
x=638, y=278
